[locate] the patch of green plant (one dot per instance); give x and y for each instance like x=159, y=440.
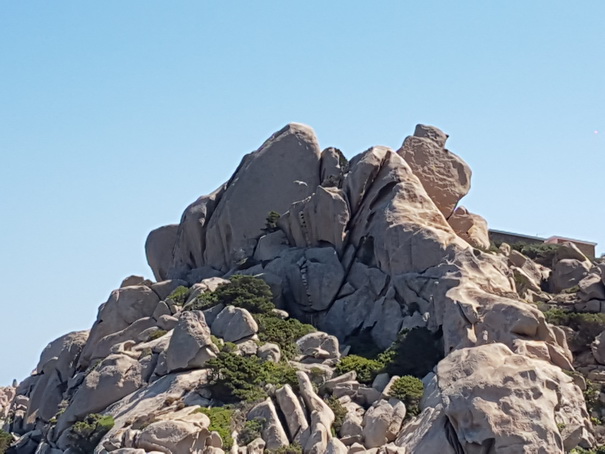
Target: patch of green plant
x=85, y=435
x=409, y=390
x=6, y=440
x=290, y=449
x=179, y=295
x=586, y=325
x=251, y=431
x=248, y=292
x=271, y=221
x=157, y=334
x=235, y=378
x=282, y=332
x=340, y=412
x=366, y=369
x=415, y=352
x=542, y=253
x=580, y=450
x=221, y=421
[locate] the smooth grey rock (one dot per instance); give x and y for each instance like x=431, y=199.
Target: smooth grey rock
x=158, y=249
x=233, y=324
x=190, y=345
x=273, y=433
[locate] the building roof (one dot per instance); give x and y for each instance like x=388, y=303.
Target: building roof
x=520, y=235
x=573, y=240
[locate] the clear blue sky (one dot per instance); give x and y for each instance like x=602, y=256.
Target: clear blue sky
x=115, y=115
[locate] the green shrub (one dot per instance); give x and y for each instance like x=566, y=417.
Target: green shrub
x=291, y=449
x=542, y=253
x=179, y=295
x=85, y=435
x=282, y=332
x=415, y=352
x=340, y=412
x=366, y=369
x=271, y=221
x=235, y=377
x=157, y=334
x=221, y=421
x=248, y=292
x=252, y=430
x=6, y=440
x=586, y=325
x=409, y=390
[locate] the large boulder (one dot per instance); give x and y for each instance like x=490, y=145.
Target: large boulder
x=191, y=343
x=233, y=324
x=444, y=175
x=568, y=273
x=489, y=398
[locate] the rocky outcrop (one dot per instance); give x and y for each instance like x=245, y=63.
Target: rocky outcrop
x=369, y=251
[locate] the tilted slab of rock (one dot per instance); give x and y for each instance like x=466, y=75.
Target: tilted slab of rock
x=191, y=343
x=124, y=307
x=490, y=398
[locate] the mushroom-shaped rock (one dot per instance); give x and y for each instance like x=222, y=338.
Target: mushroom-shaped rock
x=444, y=175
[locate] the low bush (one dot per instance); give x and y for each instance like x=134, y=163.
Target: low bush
x=235, y=378
x=248, y=292
x=251, y=431
x=221, y=421
x=586, y=325
x=409, y=390
x=157, y=334
x=366, y=369
x=179, y=295
x=6, y=440
x=282, y=332
x=340, y=412
x=85, y=435
x=542, y=253
x=290, y=449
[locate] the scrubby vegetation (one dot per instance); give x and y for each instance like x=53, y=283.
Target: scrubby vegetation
x=291, y=449
x=579, y=450
x=409, y=390
x=248, y=292
x=235, y=377
x=179, y=295
x=415, y=353
x=85, y=435
x=340, y=412
x=586, y=325
x=284, y=333
x=5, y=441
x=271, y=221
x=221, y=421
x=366, y=368
x=157, y=334
x=252, y=430
x=542, y=253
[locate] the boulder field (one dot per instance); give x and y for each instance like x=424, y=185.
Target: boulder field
x=314, y=304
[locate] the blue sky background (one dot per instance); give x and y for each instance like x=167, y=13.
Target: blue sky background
x=115, y=115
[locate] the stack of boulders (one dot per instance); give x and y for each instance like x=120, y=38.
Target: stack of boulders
x=365, y=248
